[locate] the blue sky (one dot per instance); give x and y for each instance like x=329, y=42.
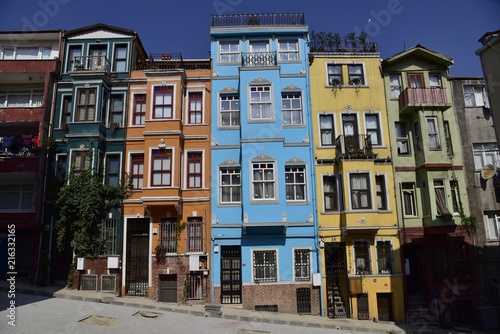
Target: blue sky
x=449, y=27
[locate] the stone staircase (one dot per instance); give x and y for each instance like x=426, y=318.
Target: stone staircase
x=419, y=312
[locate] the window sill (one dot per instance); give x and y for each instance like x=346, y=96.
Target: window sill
x=235, y=204
x=264, y=201
x=330, y=212
x=263, y=120
x=297, y=203
x=222, y=128
x=293, y=126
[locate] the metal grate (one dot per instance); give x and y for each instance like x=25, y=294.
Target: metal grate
x=108, y=283
x=303, y=300
x=195, y=287
x=88, y=282
x=266, y=308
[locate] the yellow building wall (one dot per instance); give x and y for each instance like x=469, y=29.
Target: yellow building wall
x=366, y=224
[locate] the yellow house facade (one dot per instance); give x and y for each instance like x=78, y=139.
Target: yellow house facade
x=357, y=215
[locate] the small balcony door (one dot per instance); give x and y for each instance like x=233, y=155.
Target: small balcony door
x=350, y=128
x=416, y=80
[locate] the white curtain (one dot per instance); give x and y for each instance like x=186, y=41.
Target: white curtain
x=326, y=124
x=433, y=134
x=359, y=187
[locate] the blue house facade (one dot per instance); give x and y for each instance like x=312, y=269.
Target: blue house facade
x=264, y=245
x=89, y=120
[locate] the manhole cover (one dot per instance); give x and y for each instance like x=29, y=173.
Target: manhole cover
x=99, y=320
x=148, y=314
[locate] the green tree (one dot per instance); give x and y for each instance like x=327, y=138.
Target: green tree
x=81, y=205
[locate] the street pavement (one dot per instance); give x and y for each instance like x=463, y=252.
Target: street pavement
x=56, y=309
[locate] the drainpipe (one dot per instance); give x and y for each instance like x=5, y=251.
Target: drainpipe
x=313, y=179
x=46, y=163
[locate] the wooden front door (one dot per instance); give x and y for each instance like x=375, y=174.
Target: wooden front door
x=384, y=306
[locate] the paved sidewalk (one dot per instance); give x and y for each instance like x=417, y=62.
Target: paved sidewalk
x=227, y=312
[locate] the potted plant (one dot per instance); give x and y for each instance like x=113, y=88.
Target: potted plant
x=160, y=253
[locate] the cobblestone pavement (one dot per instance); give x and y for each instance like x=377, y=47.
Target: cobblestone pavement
x=55, y=309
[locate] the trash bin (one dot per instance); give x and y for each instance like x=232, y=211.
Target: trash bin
x=487, y=317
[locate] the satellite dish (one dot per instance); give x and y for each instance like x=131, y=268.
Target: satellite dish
x=488, y=171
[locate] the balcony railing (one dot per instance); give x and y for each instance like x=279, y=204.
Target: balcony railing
x=272, y=19
x=258, y=59
x=354, y=146
x=91, y=64
x=414, y=98
x=342, y=47
x=19, y=146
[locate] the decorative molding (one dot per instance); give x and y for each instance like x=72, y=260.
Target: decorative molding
x=295, y=161
x=291, y=88
x=262, y=157
x=229, y=163
x=260, y=81
x=229, y=90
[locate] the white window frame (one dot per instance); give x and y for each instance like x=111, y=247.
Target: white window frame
x=336, y=190
x=391, y=254
x=437, y=83
x=290, y=51
x=269, y=164
x=237, y=171
x=296, y=184
x=320, y=130
x=358, y=264
x=413, y=194
x=261, y=103
x=378, y=130
x=294, y=112
x=403, y=143
x=369, y=190
x=332, y=77
x=481, y=150
x=150, y=165
x=117, y=60
x=230, y=53
x=198, y=120
x=40, y=52
x=437, y=146
x=276, y=266
x=309, y=264
x=396, y=86
x=476, y=97
x=133, y=114
x=153, y=103
x=385, y=191
x=186, y=172
x=34, y=96
x=234, y=114
x=492, y=225
x=354, y=77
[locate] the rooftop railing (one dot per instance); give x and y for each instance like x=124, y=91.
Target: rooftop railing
x=342, y=47
x=170, y=61
x=273, y=19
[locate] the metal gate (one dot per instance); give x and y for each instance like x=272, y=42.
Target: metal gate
x=337, y=284
x=231, y=275
x=303, y=300
x=137, y=257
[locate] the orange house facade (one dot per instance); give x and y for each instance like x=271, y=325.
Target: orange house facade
x=167, y=157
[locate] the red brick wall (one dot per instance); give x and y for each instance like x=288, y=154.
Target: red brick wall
x=283, y=295
x=97, y=266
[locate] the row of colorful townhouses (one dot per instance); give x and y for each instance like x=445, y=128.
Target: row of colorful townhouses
x=282, y=174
